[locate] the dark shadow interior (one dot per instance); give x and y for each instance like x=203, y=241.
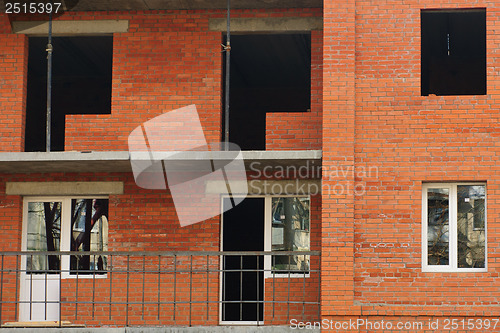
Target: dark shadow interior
x=269, y=73
x=81, y=84
x=243, y=230
x=453, y=52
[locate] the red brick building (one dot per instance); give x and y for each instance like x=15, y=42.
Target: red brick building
x=390, y=108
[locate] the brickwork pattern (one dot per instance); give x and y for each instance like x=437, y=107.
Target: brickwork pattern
x=13, y=81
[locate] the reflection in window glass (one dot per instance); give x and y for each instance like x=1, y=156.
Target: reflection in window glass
x=290, y=232
x=470, y=226
x=44, y=234
x=89, y=225
x=438, y=226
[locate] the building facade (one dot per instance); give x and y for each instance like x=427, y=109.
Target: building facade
x=370, y=135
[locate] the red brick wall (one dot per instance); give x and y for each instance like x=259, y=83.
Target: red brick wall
x=413, y=139
x=143, y=220
x=406, y=139
x=5, y=27
x=167, y=60
x=13, y=70
x=337, y=264
x=10, y=231
x=301, y=130
x=373, y=117
x=153, y=73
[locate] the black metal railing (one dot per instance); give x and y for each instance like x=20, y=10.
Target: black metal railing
x=182, y=288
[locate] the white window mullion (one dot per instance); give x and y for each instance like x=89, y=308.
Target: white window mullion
x=425, y=245
x=65, y=234
x=267, y=235
x=453, y=228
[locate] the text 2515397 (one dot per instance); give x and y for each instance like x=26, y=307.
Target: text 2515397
x=32, y=8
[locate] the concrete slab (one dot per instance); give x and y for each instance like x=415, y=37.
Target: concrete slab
x=41, y=162
x=119, y=161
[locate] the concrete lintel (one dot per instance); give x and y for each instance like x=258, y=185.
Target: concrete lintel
x=96, y=27
x=270, y=187
x=281, y=154
x=267, y=24
x=63, y=188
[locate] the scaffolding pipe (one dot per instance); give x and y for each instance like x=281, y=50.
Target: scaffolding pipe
x=228, y=67
x=49, y=85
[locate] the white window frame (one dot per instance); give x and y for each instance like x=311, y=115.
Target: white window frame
x=65, y=241
x=268, y=228
x=453, y=225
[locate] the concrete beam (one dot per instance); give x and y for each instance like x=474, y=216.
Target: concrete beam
x=63, y=188
x=97, y=27
x=120, y=161
x=289, y=24
x=106, y=5
x=42, y=162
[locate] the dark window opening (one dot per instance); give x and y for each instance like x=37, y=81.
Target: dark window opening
x=81, y=84
x=243, y=278
x=453, y=52
x=269, y=73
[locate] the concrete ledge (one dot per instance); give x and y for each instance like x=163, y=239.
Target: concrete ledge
x=267, y=24
x=41, y=162
x=119, y=161
x=70, y=27
x=248, y=155
x=63, y=188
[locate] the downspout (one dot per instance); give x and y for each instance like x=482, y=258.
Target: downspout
x=49, y=85
x=227, y=48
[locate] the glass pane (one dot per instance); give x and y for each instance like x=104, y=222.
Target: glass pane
x=438, y=248
x=470, y=226
x=44, y=234
x=89, y=225
x=290, y=232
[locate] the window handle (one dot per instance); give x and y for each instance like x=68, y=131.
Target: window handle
x=448, y=43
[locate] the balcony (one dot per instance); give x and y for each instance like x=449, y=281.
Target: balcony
x=149, y=289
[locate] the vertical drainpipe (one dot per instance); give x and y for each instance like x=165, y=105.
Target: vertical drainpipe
x=227, y=48
x=49, y=85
